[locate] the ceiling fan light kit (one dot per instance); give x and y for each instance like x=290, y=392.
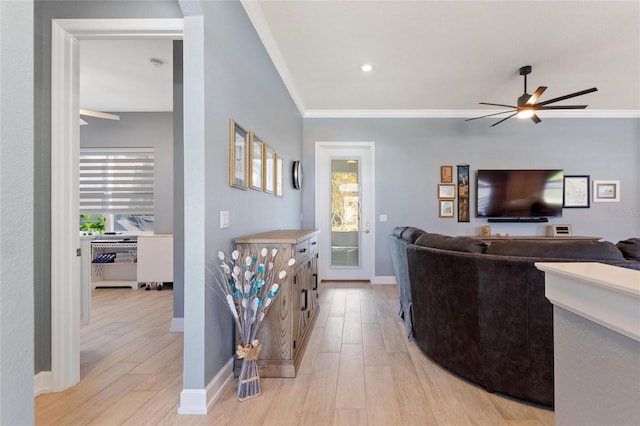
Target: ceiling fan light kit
x=527, y=105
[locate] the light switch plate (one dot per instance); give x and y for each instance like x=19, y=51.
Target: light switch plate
x=224, y=219
x=383, y=218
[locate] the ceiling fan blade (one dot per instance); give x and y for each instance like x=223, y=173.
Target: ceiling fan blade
x=502, y=105
x=569, y=96
x=504, y=119
x=98, y=114
x=488, y=115
x=536, y=95
x=559, y=107
x=535, y=118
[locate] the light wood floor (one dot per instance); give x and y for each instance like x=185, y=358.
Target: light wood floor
x=358, y=369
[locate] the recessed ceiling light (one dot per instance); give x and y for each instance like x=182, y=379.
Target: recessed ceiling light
x=366, y=68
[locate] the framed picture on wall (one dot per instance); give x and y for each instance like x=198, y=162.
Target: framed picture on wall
x=446, y=191
x=255, y=162
x=446, y=174
x=279, y=176
x=463, y=193
x=576, y=192
x=268, y=168
x=606, y=191
x=446, y=208
x=238, y=158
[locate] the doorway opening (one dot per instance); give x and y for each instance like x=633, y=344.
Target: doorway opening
x=65, y=145
x=345, y=200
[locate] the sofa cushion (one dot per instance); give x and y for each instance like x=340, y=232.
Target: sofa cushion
x=411, y=234
x=630, y=248
x=430, y=239
x=397, y=231
x=570, y=249
x=444, y=242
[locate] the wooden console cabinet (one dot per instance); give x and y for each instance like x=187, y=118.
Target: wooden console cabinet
x=286, y=327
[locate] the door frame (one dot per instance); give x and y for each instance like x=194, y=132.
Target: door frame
x=369, y=194
x=65, y=145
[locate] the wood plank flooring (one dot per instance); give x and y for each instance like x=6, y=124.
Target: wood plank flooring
x=358, y=369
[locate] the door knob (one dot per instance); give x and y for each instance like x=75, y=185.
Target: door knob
x=366, y=231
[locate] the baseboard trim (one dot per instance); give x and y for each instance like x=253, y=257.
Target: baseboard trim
x=177, y=325
x=42, y=383
x=193, y=401
x=197, y=401
x=384, y=280
x=220, y=382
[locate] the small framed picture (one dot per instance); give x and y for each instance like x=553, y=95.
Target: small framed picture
x=576, y=192
x=606, y=191
x=268, y=168
x=255, y=166
x=238, y=158
x=446, y=208
x=446, y=174
x=279, y=176
x=446, y=191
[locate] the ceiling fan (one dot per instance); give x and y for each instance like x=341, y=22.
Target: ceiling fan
x=526, y=106
x=96, y=114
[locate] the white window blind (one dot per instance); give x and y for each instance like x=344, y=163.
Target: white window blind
x=116, y=180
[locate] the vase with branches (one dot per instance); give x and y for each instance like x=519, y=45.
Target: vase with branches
x=249, y=283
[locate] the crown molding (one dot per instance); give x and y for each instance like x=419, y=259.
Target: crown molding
x=443, y=113
x=253, y=11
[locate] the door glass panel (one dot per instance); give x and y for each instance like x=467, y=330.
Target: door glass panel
x=345, y=213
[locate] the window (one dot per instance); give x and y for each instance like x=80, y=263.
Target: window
x=118, y=184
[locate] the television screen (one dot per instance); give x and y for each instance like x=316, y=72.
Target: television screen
x=519, y=193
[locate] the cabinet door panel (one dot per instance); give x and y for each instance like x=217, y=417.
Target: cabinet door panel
x=276, y=328
x=314, y=283
x=296, y=309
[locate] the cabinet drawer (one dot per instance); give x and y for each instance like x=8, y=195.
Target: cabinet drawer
x=302, y=250
x=313, y=244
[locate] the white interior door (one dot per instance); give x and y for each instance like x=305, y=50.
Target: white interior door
x=345, y=203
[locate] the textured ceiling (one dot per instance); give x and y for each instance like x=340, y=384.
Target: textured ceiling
x=118, y=75
x=446, y=56
x=430, y=58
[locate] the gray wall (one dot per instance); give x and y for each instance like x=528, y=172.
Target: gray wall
x=409, y=153
x=16, y=213
x=178, y=183
x=141, y=130
x=44, y=12
x=242, y=84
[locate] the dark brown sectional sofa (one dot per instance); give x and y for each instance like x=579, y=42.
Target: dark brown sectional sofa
x=479, y=310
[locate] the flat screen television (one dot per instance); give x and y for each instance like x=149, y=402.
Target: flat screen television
x=519, y=194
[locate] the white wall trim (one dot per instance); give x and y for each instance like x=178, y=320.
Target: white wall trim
x=219, y=382
x=193, y=401
x=65, y=144
x=198, y=401
x=42, y=383
x=254, y=12
x=382, y=279
x=170, y=28
x=65, y=265
x=459, y=113
x=177, y=325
